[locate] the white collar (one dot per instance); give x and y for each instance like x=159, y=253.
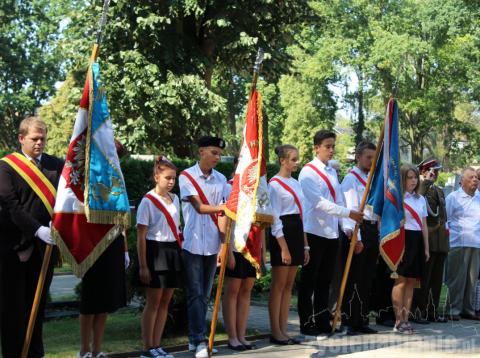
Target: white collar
x=410, y=195
x=321, y=164
x=464, y=194
x=201, y=174
x=39, y=158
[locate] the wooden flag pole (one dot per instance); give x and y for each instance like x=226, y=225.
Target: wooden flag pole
x=36, y=300
x=48, y=250
x=221, y=277
x=354, y=239
x=224, y=253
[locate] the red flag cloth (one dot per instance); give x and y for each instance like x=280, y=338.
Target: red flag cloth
x=249, y=204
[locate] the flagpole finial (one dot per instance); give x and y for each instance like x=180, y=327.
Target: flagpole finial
x=258, y=60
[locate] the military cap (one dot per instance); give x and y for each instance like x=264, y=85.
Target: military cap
x=430, y=163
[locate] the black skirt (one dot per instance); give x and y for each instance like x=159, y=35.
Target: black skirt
x=165, y=264
x=243, y=269
x=293, y=233
x=413, y=261
x=103, y=285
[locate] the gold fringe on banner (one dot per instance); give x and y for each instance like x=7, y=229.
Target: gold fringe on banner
x=79, y=269
x=107, y=217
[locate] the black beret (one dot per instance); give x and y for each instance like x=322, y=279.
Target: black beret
x=209, y=141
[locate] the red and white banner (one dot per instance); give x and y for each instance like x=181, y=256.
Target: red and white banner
x=249, y=204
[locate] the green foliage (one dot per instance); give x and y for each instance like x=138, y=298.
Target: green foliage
x=30, y=59
x=165, y=64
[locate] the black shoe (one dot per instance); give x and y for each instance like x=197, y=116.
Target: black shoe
x=309, y=331
x=419, y=321
x=292, y=341
x=455, y=317
x=349, y=331
x=249, y=346
x=366, y=330
x=470, y=316
x=325, y=329
x=239, y=348
x=278, y=342
x=386, y=323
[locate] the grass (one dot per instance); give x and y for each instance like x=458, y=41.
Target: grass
x=122, y=334
x=66, y=268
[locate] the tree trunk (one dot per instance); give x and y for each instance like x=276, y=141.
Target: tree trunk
x=359, y=126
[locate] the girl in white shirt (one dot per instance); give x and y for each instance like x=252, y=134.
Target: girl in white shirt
x=416, y=248
x=288, y=243
x=158, y=245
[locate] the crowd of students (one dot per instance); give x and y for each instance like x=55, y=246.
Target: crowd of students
x=314, y=219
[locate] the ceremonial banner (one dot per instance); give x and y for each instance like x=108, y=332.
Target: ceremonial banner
x=249, y=205
x=92, y=206
x=385, y=197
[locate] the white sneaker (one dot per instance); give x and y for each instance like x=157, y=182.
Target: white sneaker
x=86, y=355
x=162, y=353
x=151, y=353
x=201, y=351
x=100, y=355
x=192, y=348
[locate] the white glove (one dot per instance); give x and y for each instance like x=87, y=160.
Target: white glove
x=44, y=234
x=127, y=259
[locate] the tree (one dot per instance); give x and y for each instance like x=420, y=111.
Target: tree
x=168, y=65
x=29, y=60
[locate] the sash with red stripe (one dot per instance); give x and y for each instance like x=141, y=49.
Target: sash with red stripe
x=325, y=178
x=414, y=214
x=360, y=179
x=34, y=178
x=201, y=194
x=290, y=190
x=168, y=217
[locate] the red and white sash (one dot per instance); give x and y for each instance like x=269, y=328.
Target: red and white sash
x=290, y=190
x=325, y=178
x=168, y=217
x=201, y=194
x=359, y=178
x=414, y=214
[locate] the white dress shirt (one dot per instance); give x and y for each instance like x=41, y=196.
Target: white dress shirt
x=149, y=215
x=283, y=202
x=419, y=205
x=353, y=191
x=200, y=233
x=463, y=218
x=321, y=214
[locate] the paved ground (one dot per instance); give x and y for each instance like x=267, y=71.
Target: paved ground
x=434, y=340
x=460, y=339
x=63, y=285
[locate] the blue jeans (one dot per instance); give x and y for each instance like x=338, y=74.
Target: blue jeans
x=199, y=274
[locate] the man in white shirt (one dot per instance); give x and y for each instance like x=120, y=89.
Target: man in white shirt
x=362, y=271
x=463, y=217
x=324, y=206
x=203, y=194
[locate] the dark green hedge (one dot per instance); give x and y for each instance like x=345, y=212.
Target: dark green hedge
x=139, y=175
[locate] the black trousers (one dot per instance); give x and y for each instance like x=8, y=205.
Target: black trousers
x=381, y=298
x=426, y=298
x=356, y=301
x=315, y=280
x=18, y=285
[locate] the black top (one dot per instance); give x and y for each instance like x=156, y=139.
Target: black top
x=22, y=211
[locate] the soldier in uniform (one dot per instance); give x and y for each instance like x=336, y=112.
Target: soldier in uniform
x=426, y=298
